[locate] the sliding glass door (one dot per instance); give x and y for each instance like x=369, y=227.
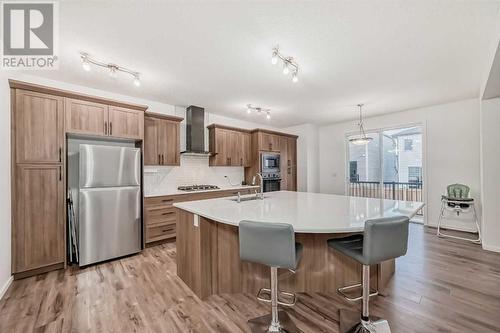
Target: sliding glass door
x=389, y=166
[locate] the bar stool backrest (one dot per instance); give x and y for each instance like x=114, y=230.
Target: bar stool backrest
x=458, y=191
x=385, y=238
x=270, y=244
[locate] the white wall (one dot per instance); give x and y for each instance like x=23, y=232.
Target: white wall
x=5, y=235
x=490, y=167
x=307, y=157
x=451, y=151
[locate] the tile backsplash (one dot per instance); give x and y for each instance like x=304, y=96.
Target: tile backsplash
x=193, y=170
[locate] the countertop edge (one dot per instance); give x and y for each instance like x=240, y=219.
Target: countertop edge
x=243, y=187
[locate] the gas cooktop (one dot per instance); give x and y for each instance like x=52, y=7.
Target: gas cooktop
x=198, y=187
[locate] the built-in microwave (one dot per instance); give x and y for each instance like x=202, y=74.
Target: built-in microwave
x=269, y=162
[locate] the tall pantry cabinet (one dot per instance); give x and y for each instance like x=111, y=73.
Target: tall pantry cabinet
x=38, y=232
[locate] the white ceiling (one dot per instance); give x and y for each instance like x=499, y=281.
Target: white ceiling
x=391, y=55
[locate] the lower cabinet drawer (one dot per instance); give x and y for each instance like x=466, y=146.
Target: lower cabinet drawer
x=160, y=215
x=160, y=232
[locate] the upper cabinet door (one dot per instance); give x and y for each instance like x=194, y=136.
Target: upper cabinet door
x=246, y=149
x=269, y=142
x=86, y=117
x=169, y=142
x=152, y=156
x=235, y=155
x=219, y=147
x=126, y=123
x=39, y=127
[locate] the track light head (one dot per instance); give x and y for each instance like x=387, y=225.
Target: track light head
x=295, y=78
x=137, y=81
x=286, y=70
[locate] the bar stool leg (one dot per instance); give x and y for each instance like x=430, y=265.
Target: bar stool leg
x=277, y=321
x=350, y=321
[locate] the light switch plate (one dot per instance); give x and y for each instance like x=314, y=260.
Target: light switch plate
x=196, y=220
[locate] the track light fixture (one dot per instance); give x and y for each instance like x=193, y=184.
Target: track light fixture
x=252, y=108
x=113, y=68
x=289, y=65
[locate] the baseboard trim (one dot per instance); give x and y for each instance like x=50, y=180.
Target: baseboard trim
x=449, y=227
x=6, y=286
x=491, y=248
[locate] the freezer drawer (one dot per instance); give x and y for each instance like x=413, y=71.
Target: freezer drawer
x=102, y=166
x=109, y=223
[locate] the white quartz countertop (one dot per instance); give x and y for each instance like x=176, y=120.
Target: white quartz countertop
x=306, y=212
x=174, y=191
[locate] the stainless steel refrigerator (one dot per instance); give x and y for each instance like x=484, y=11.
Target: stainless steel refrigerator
x=109, y=202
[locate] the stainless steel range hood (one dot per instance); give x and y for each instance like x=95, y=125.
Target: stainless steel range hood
x=195, y=131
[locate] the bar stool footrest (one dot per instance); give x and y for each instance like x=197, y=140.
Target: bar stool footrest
x=291, y=296
x=342, y=290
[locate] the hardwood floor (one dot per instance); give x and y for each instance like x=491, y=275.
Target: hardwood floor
x=441, y=285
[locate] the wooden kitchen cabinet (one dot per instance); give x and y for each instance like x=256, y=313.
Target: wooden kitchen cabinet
x=39, y=127
x=41, y=116
x=86, y=117
x=160, y=216
x=246, y=149
x=269, y=142
x=229, y=146
x=125, y=123
x=161, y=140
x=38, y=231
x=91, y=118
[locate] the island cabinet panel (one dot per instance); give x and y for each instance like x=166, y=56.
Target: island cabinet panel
x=229, y=146
x=39, y=127
x=38, y=228
x=126, y=123
x=208, y=262
x=86, y=117
x=161, y=140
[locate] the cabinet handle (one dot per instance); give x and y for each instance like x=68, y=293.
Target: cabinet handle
x=241, y=161
x=167, y=200
x=159, y=159
x=106, y=128
x=167, y=213
x=60, y=173
x=110, y=128
x=162, y=159
x=60, y=154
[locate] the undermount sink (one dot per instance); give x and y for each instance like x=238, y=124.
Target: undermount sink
x=250, y=198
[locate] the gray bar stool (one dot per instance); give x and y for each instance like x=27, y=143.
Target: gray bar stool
x=383, y=239
x=271, y=244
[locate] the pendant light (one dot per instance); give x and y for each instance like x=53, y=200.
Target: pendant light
x=361, y=139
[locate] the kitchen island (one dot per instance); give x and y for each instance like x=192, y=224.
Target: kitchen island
x=208, y=246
